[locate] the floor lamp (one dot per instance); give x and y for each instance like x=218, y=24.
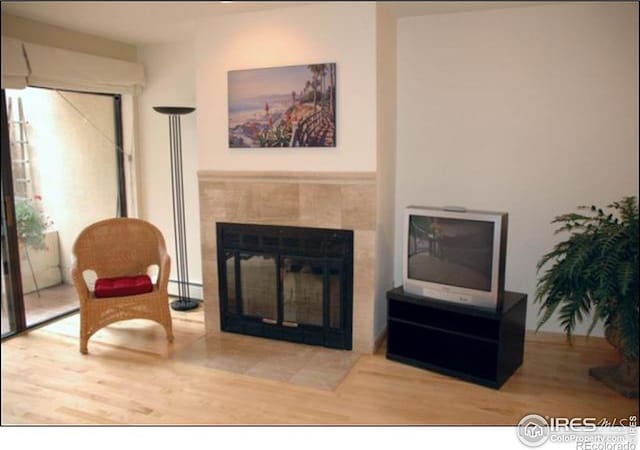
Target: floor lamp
x=184, y=301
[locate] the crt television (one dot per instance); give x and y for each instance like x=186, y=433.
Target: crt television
x=456, y=255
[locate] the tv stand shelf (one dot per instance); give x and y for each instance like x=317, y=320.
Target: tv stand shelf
x=473, y=344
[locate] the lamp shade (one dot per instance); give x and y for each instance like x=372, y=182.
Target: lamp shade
x=176, y=110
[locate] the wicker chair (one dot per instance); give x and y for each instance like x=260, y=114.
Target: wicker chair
x=116, y=248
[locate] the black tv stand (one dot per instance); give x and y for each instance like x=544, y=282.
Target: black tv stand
x=473, y=344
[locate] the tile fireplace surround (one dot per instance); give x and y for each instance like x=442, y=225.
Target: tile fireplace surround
x=314, y=199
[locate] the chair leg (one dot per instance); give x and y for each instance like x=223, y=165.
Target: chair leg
x=165, y=321
x=83, y=345
x=169, y=330
x=84, y=339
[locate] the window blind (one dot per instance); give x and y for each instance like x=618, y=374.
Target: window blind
x=14, y=65
x=64, y=69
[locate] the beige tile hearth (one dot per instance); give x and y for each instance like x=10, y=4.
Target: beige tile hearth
x=320, y=205
x=299, y=364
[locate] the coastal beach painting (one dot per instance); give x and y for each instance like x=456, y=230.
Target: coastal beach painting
x=290, y=106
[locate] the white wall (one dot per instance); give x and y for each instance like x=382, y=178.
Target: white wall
x=527, y=110
x=386, y=160
x=344, y=34
x=170, y=72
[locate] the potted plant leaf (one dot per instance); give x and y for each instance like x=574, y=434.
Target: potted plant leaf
x=596, y=271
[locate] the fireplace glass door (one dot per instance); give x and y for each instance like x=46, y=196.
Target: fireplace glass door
x=302, y=291
x=230, y=271
x=287, y=283
x=258, y=284
x=336, y=288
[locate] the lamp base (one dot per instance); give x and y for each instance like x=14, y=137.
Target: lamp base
x=184, y=304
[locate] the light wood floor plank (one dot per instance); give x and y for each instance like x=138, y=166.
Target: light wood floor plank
x=129, y=378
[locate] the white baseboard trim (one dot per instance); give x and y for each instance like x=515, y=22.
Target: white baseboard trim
x=195, y=290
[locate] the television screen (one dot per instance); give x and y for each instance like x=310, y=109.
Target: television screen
x=455, y=252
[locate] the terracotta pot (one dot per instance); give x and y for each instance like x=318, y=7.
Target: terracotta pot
x=623, y=377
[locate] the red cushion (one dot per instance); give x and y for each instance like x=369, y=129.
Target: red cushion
x=123, y=286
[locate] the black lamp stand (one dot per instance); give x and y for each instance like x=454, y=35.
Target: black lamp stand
x=184, y=301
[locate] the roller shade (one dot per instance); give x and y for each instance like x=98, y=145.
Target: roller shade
x=64, y=69
x=14, y=66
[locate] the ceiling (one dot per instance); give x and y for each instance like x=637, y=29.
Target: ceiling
x=140, y=23
x=131, y=22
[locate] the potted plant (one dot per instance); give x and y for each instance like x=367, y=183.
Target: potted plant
x=596, y=271
x=32, y=225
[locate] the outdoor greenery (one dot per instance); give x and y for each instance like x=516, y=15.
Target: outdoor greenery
x=32, y=223
x=595, y=269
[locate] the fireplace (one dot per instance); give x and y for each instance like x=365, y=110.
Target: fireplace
x=285, y=282
x=342, y=201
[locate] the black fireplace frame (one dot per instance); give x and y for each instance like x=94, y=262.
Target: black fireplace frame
x=331, y=248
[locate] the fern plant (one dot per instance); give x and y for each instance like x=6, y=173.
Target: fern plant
x=595, y=270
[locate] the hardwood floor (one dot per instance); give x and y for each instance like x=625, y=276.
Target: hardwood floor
x=129, y=377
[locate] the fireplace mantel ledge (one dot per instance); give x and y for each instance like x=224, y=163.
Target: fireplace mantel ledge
x=288, y=177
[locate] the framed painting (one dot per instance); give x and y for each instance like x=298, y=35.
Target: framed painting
x=289, y=106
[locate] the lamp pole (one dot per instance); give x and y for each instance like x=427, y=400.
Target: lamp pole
x=184, y=301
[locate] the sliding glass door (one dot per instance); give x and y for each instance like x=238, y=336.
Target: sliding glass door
x=12, y=313
x=66, y=172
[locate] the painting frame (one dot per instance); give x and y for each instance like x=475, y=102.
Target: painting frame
x=291, y=106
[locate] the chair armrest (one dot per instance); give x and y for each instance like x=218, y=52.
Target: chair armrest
x=164, y=270
x=79, y=283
